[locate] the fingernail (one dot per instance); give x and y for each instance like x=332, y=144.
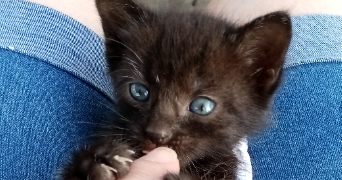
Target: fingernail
x=161, y=155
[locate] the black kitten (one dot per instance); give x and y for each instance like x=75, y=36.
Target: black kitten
x=185, y=80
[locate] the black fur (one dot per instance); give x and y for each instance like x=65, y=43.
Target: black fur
x=180, y=56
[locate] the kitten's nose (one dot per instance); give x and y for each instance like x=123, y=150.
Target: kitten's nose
x=158, y=136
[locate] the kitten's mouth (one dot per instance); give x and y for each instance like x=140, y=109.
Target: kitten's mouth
x=149, y=146
x=172, y=144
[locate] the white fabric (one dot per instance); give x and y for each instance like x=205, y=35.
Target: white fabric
x=244, y=171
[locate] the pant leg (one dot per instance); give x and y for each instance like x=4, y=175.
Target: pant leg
x=305, y=141
x=53, y=89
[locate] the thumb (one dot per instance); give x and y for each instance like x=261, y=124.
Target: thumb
x=154, y=165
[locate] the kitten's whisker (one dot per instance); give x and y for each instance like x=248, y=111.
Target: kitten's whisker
x=138, y=74
x=116, y=127
x=130, y=63
x=125, y=58
x=106, y=135
x=116, y=71
x=124, y=119
x=126, y=47
x=103, y=125
x=195, y=166
x=106, y=105
x=118, y=88
x=258, y=70
x=92, y=123
x=128, y=77
x=112, y=109
x=189, y=162
x=130, y=60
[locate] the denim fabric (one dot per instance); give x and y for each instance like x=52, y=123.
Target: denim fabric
x=45, y=113
x=53, y=37
x=305, y=141
x=53, y=90
x=53, y=87
x=316, y=38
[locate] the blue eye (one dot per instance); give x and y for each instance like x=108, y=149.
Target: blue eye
x=139, y=92
x=202, y=106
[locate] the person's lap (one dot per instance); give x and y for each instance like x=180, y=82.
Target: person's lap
x=45, y=113
x=46, y=108
x=53, y=89
x=305, y=140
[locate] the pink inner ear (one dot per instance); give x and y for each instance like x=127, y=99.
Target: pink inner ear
x=271, y=75
x=271, y=72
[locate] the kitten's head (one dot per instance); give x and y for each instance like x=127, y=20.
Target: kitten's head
x=190, y=81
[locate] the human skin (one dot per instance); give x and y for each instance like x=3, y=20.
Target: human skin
x=243, y=11
x=154, y=165
x=85, y=12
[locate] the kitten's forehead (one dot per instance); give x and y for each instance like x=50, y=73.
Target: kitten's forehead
x=189, y=77
x=189, y=57
x=179, y=35
x=181, y=49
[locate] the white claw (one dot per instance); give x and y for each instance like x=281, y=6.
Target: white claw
x=131, y=152
x=108, y=168
x=123, y=160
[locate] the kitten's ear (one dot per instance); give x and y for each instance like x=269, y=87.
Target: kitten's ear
x=117, y=15
x=264, y=43
x=122, y=21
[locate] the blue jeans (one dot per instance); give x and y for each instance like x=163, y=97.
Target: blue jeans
x=54, y=90
x=305, y=140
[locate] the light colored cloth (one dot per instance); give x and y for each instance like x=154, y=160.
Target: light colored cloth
x=244, y=171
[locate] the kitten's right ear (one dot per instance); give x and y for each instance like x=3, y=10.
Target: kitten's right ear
x=264, y=43
x=117, y=15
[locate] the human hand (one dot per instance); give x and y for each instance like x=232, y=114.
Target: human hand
x=154, y=165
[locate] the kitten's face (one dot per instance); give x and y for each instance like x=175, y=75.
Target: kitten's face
x=192, y=82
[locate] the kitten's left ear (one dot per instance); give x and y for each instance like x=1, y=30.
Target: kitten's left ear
x=122, y=21
x=264, y=43
x=118, y=15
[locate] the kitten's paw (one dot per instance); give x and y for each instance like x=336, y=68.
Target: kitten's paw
x=100, y=162
x=110, y=167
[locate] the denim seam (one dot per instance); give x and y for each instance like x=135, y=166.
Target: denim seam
x=50, y=36
x=316, y=38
